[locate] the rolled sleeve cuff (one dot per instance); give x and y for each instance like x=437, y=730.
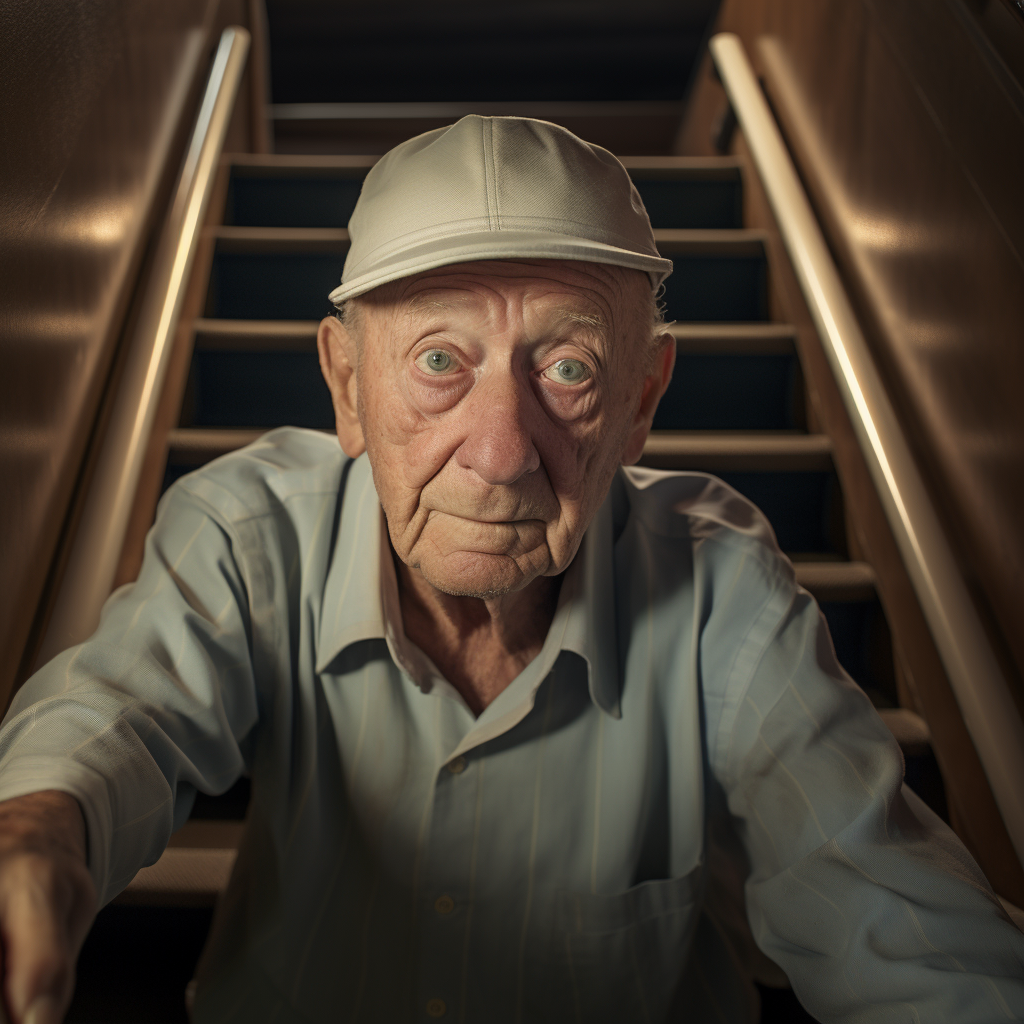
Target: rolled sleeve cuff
x=24, y=775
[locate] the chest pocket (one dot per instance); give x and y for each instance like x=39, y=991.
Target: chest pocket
x=623, y=953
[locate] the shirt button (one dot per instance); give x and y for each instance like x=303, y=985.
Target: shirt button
x=436, y=1007
x=457, y=765
x=444, y=905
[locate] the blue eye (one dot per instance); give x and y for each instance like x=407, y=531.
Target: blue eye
x=435, y=361
x=568, y=371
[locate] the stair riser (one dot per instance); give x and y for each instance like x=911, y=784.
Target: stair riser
x=318, y=201
x=733, y=392
x=294, y=286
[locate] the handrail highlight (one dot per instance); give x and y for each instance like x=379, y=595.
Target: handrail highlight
x=92, y=562
x=979, y=684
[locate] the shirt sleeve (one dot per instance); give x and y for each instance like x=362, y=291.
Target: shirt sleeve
x=870, y=903
x=156, y=705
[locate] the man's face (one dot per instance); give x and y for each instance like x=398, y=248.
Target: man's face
x=495, y=401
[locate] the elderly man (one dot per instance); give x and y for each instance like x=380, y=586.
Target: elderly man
x=533, y=737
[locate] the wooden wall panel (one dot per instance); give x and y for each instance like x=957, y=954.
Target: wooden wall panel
x=94, y=114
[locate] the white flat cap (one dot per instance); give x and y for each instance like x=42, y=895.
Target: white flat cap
x=495, y=188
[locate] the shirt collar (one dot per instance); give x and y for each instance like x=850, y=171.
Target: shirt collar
x=353, y=603
x=351, y=609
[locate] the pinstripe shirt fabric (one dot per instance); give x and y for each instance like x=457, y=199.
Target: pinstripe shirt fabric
x=684, y=756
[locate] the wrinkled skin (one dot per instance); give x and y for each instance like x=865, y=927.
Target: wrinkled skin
x=495, y=401
x=47, y=903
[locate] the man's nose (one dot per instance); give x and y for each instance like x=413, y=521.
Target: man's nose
x=498, y=445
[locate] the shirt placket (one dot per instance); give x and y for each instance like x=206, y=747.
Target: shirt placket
x=445, y=891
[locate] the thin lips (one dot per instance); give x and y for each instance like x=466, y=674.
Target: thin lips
x=489, y=522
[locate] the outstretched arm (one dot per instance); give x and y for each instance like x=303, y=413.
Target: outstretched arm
x=869, y=903
x=47, y=903
x=103, y=749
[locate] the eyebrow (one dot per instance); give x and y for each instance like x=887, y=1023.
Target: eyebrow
x=591, y=320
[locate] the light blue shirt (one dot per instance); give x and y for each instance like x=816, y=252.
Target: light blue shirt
x=684, y=755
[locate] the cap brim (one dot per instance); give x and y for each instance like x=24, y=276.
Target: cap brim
x=499, y=245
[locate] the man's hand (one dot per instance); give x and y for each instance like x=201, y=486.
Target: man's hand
x=47, y=903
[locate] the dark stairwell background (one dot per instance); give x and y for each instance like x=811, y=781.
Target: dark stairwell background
x=463, y=50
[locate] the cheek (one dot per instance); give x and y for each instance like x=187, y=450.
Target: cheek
x=584, y=456
x=567, y=405
x=406, y=442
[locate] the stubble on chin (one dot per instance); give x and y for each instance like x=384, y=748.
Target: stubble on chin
x=481, y=560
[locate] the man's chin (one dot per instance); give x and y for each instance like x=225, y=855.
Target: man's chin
x=480, y=574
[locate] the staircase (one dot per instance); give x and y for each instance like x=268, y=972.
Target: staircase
x=247, y=362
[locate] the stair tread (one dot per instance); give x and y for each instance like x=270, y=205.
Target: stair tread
x=837, y=581
x=710, y=241
x=739, y=451
x=734, y=338
x=255, y=335
x=544, y=109
x=289, y=335
x=679, y=241
x=274, y=240
x=196, y=445
x=182, y=877
x=696, y=167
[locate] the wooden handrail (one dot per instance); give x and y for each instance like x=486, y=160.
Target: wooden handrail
x=92, y=561
x=979, y=684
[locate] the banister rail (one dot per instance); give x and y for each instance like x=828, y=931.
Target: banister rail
x=979, y=684
x=96, y=548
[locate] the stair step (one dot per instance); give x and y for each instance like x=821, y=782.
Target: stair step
x=195, y=446
x=717, y=388
x=203, y=834
x=287, y=273
x=433, y=110
x=182, y=877
x=734, y=338
x=281, y=239
x=672, y=242
x=275, y=280
x=677, y=242
x=836, y=582
x=242, y=336
x=721, y=277
x=259, y=386
x=739, y=452
x=621, y=126
x=291, y=190
x=691, y=338
x=683, y=168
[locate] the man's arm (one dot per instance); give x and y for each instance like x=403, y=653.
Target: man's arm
x=47, y=903
x=154, y=706
x=869, y=903
x=127, y=726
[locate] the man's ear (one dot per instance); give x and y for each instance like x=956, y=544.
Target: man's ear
x=655, y=385
x=338, y=362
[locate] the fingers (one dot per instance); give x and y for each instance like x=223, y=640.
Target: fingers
x=46, y=906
